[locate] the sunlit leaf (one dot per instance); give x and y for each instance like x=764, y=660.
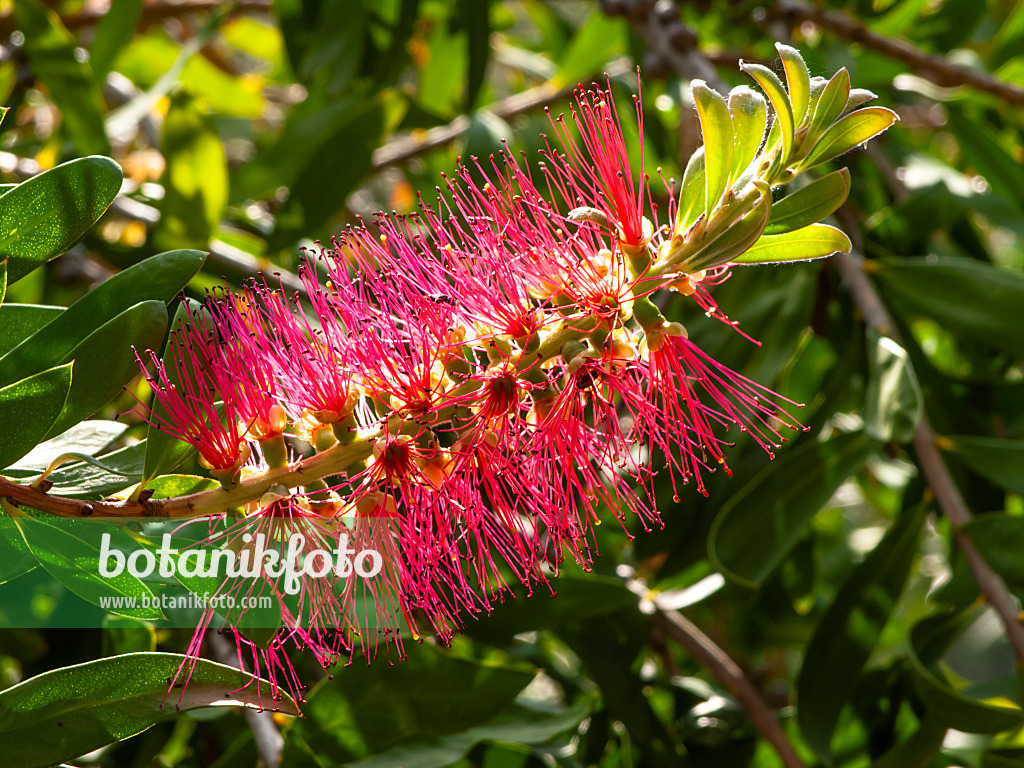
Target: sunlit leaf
x=810, y=204
x=813, y=242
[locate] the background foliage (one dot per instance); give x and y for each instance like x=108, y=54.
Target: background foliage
x=250, y=129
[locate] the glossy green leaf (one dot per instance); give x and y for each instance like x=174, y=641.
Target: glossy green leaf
x=158, y=278
x=64, y=713
x=892, y=402
x=19, y=321
x=28, y=409
x=113, y=32
x=716, y=130
x=89, y=437
x=798, y=78
x=814, y=242
x=953, y=701
x=759, y=525
x=105, y=361
x=90, y=482
x=969, y=298
x=196, y=178
x=728, y=246
x=43, y=217
x=169, y=486
x=75, y=563
x=1000, y=461
x=777, y=95
x=72, y=86
x=692, y=193
x=849, y=630
x=16, y=559
x=810, y=204
x=849, y=132
x=749, y=113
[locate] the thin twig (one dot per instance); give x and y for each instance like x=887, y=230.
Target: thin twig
x=934, y=67
x=269, y=742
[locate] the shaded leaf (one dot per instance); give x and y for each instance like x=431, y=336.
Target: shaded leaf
x=27, y=410
x=892, y=402
x=113, y=32
x=19, y=321
x=1000, y=461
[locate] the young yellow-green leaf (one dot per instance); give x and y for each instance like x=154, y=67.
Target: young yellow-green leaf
x=70, y=81
x=849, y=132
x=105, y=361
x=692, y=193
x=759, y=525
x=829, y=107
x=64, y=713
x=849, y=630
x=749, y=113
x=716, y=129
x=821, y=198
x=814, y=242
x=159, y=277
x=736, y=239
x=27, y=410
x=799, y=80
x=999, y=461
x=858, y=96
x=777, y=95
x=196, y=178
x=43, y=217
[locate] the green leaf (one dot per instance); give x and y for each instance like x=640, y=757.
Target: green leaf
x=814, y=242
x=851, y=131
x=758, y=526
x=19, y=321
x=113, y=32
x=692, y=193
x=971, y=300
x=749, y=114
x=728, y=246
x=964, y=705
x=3, y=280
x=799, y=80
x=407, y=706
x=978, y=138
x=598, y=38
x=892, y=402
x=999, y=539
x=999, y=461
x=821, y=198
x=59, y=715
x=777, y=95
x=123, y=634
x=84, y=480
x=196, y=178
x=476, y=19
x=75, y=563
x=15, y=557
x=830, y=106
x=849, y=630
x=89, y=437
x=159, y=278
x=169, y=486
x=43, y=217
x=51, y=52
x=27, y=410
x=105, y=361
x=716, y=129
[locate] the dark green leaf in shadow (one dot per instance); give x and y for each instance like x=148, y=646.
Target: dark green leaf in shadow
x=892, y=401
x=19, y=321
x=113, y=32
x=28, y=408
x=1000, y=461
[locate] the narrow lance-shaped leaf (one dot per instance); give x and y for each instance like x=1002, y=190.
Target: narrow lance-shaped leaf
x=59, y=715
x=692, y=193
x=777, y=95
x=809, y=205
x=799, y=80
x=716, y=128
x=892, y=401
x=27, y=410
x=999, y=461
x=19, y=321
x=749, y=114
x=814, y=242
x=849, y=630
x=736, y=239
x=829, y=107
x=851, y=131
x=43, y=217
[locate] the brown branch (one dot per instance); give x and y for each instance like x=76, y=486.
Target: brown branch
x=936, y=68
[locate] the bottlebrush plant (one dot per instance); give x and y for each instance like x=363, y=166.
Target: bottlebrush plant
x=466, y=390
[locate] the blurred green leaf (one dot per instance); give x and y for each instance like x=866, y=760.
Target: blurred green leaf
x=589, y=48
x=43, y=217
x=1000, y=461
x=850, y=131
x=3, y=280
x=999, y=538
x=475, y=16
x=716, y=130
x=19, y=321
x=810, y=204
x=759, y=525
x=27, y=410
x=64, y=713
x=158, y=278
x=849, y=630
x=892, y=402
x=814, y=242
x=971, y=299
x=52, y=53
x=105, y=360
x=196, y=178
x=113, y=32
x=123, y=634
x=16, y=559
